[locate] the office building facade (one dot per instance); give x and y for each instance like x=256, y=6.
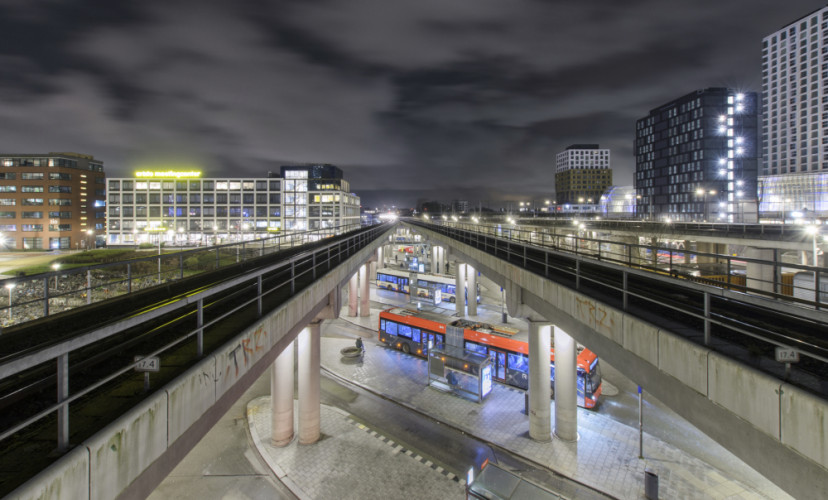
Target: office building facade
x=697, y=158
x=582, y=174
x=181, y=207
x=795, y=121
x=51, y=201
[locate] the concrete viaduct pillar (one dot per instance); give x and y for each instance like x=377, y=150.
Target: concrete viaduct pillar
x=566, y=385
x=566, y=375
x=459, y=289
x=309, y=409
x=762, y=276
x=281, y=400
x=353, y=298
x=364, y=292
x=540, y=424
x=434, y=266
x=472, y=278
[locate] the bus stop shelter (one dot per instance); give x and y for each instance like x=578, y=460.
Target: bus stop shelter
x=456, y=370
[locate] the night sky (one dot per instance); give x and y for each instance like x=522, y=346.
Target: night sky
x=433, y=99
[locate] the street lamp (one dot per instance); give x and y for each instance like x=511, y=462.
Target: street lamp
x=181, y=233
x=56, y=267
x=813, y=230
x=10, y=287
x=89, y=233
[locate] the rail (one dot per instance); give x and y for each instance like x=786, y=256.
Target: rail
x=261, y=289
x=41, y=295
x=738, y=324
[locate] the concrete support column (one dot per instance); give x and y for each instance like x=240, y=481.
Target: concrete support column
x=281, y=398
x=459, y=289
x=309, y=409
x=472, y=273
x=364, y=292
x=435, y=268
x=687, y=255
x=540, y=424
x=761, y=276
x=654, y=252
x=566, y=386
x=372, y=269
x=380, y=261
x=353, y=299
x=444, y=260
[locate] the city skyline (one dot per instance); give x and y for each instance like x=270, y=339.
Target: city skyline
x=467, y=100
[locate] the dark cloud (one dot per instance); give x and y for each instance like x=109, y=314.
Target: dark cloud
x=431, y=99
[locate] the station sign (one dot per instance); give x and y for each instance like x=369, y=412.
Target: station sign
x=786, y=355
x=151, y=364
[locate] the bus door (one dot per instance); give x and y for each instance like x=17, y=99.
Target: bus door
x=499, y=358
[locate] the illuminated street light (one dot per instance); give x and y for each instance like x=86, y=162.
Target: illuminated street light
x=89, y=232
x=10, y=288
x=56, y=267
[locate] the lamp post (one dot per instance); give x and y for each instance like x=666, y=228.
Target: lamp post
x=135, y=237
x=10, y=288
x=89, y=233
x=56, y=267
x=180, y=234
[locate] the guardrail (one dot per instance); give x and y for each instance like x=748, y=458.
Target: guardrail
x=37, y=296
x=791, y=282
x=719, y=318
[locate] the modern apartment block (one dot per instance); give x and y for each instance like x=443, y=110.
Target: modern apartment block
x=697, y=158
x=181, y=207
x=582, y=174
x=51, y=201
x=795, y=121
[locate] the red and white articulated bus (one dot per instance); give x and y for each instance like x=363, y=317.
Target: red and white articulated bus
x=410, y=331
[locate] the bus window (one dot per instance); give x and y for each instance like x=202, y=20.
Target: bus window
x=391, y=328
x=475, y=347
x=382, y=324
x=518, y=362
x=593, y=381
x=405, y=331
x=415, y=335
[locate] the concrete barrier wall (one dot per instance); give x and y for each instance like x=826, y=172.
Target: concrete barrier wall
x=683, y=360
x=641, y=339
x=123, y=449
x=105, y=465
x=805, y=423
x=66, y=479
x=189, y=396
x=750, y=394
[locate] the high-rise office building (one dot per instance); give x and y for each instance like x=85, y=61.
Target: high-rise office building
x=697, y=158
x=181, y=207
x=582, y=174
x=51, y=201
x=795, y=122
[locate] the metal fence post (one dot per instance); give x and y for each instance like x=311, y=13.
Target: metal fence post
x=624, y=295
x=259, y=293
x=706, y=318
x=62, y=395
x=200, y=325
x=45, y=296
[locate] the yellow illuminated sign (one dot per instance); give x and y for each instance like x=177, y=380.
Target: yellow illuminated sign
x=155, y=229
x=168, y=174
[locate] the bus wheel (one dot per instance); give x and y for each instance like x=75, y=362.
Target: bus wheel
x=452, y=300
x=406, y=349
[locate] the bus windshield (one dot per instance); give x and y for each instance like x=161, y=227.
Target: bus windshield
x=593, y=378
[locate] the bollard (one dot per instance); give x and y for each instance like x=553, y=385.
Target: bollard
x=650, y=484
x=526, y=403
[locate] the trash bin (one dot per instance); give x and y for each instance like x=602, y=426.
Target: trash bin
x=650, y=484
x=526, y=403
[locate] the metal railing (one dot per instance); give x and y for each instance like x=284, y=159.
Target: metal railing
x=285, y=277
x=789, y=281
x=730, y=321
x=37, y=296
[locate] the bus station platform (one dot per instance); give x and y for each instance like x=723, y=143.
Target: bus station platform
x=354, y=461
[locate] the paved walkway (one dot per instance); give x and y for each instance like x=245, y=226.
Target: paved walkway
x=605, y=457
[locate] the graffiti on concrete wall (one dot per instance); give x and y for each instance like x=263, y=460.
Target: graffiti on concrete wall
x=244, y=351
